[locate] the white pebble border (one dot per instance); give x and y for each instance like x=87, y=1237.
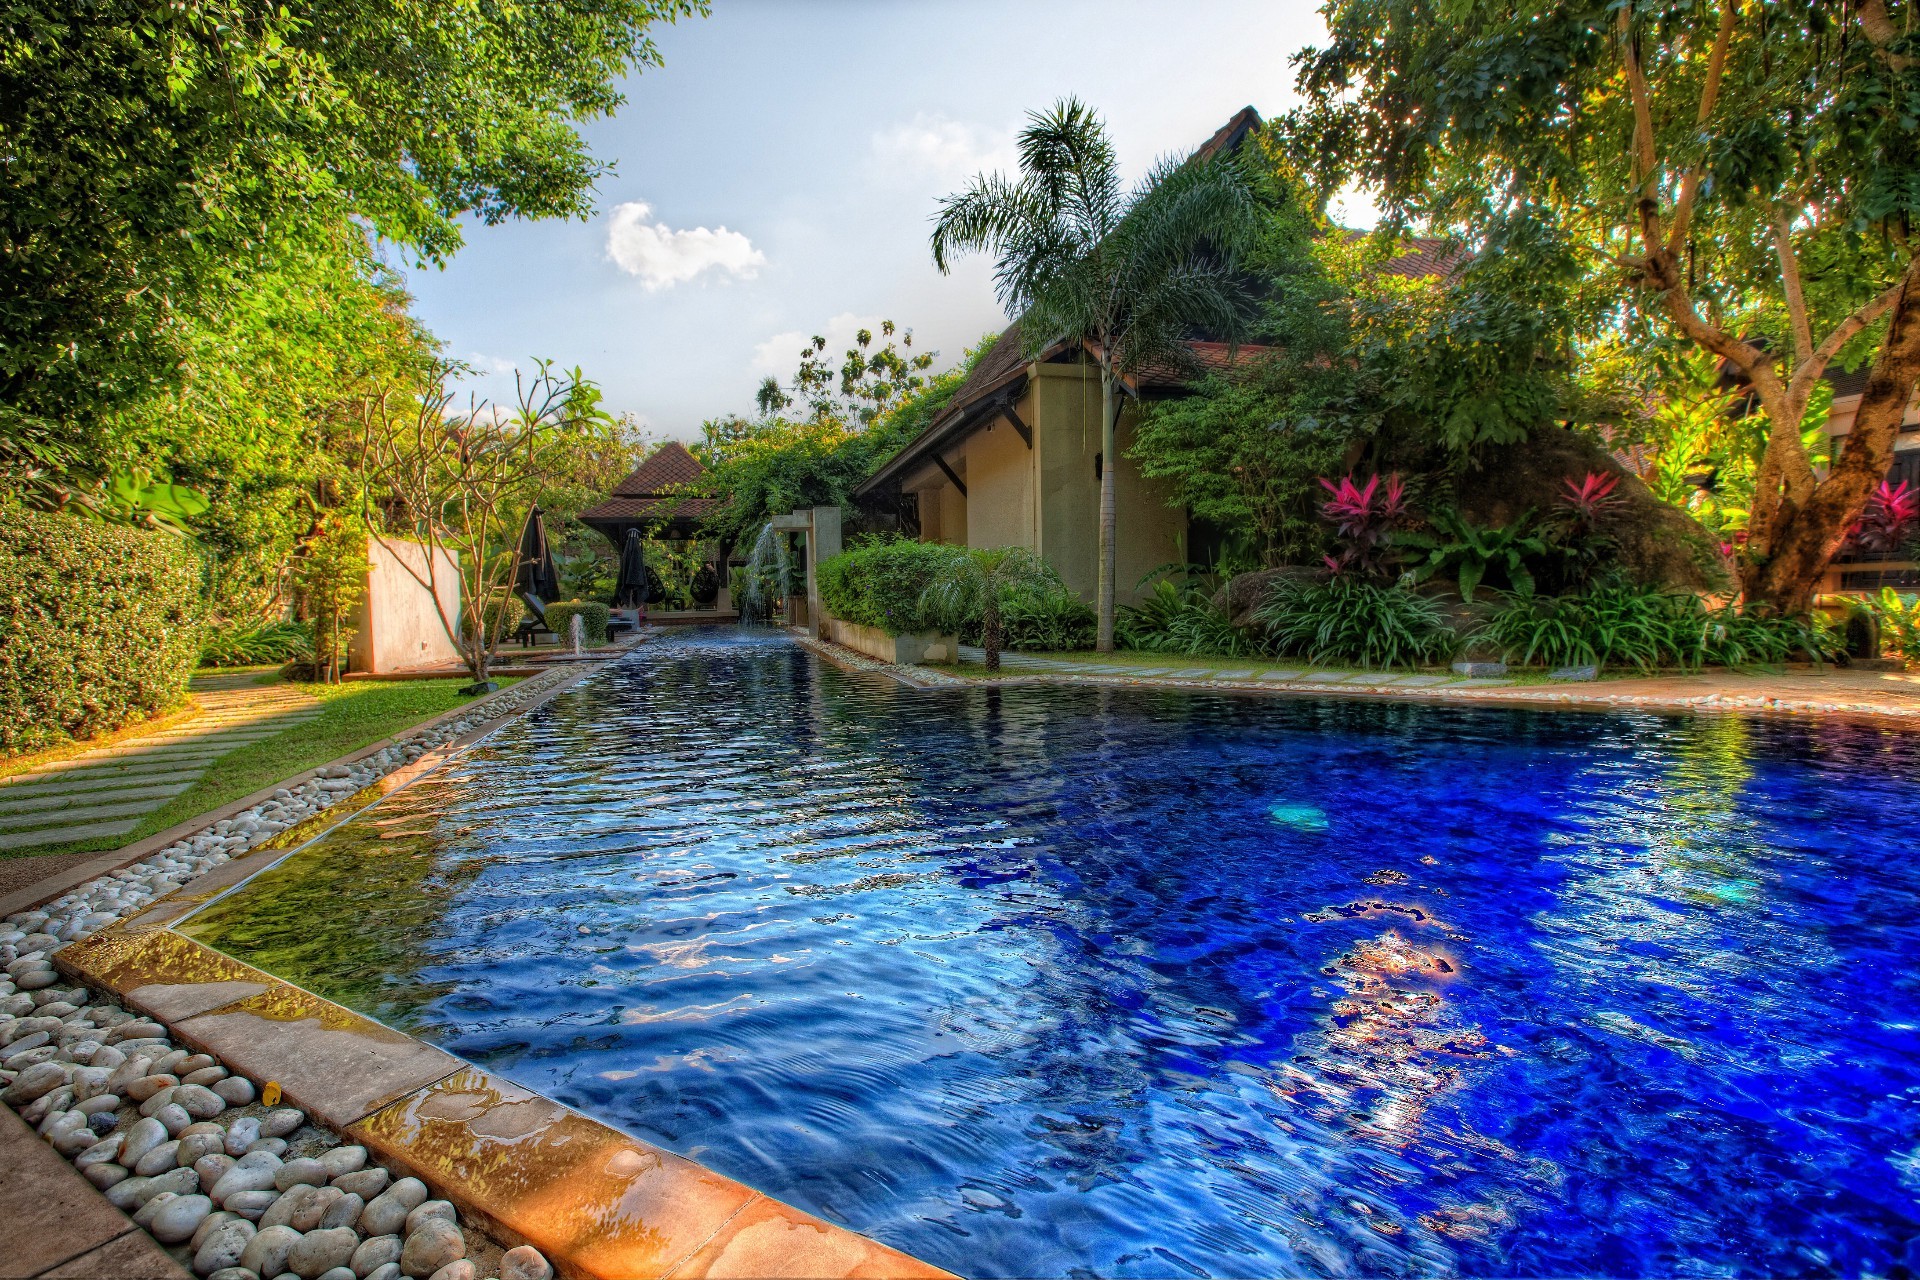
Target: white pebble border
x=239, y=1191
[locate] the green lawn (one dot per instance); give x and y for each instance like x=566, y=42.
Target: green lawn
x=353, y=716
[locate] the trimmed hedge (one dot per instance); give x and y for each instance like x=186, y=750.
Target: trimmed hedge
x=503, y=618
x=594, y=617
x=99, y=626
x=880, y=584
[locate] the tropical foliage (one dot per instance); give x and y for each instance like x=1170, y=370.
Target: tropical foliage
x=1349, y=618
x=979, y=584
x=1618, y=624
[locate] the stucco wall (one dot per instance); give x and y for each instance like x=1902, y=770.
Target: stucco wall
x=398, y=628
x=943, y=514
x=999, y=476
x=1065, y=408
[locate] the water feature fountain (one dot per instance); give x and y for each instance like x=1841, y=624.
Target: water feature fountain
x=577, y=633
x=769, y=578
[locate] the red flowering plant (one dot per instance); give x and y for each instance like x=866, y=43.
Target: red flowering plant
x=1577, y=525
x=1884, y=527
x=1363, y=519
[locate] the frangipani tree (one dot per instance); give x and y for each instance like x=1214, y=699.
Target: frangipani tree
x=1081, y=258
x=1743, y=178
x=458, y=482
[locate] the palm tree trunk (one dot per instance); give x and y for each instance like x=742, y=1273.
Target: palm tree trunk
x=1104, y=599
x=992, y=631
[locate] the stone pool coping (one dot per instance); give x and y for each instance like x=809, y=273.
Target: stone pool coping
x=1651, y=694
x=601, y=1205
x=77, y=874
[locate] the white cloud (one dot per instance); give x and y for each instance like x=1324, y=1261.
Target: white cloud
x=946, y=148
x=663, y=257
x=1354, y=206
x=780, y=354
x=485, y=365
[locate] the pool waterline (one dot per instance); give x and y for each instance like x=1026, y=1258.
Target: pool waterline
x=1027, y=980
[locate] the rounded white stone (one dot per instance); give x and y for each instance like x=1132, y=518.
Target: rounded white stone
x=179, y=1218
x=223, y=1246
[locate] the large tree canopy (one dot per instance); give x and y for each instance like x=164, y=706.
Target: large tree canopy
x=1741, y=177
x=156, y=151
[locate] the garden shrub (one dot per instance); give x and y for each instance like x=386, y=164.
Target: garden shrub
x=1348, y=618
x=1899, y=623
x=1617, y=623
x=99, y=626
x=881, y=584
x=502, y=617
x=593, y=615
x=1181, y=616
x=1049, y=621
x=253, y=644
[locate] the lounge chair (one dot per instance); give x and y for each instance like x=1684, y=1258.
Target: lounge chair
x=535, y=623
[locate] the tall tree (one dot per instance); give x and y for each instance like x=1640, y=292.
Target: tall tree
x=1082, y=259
x=1742, y=175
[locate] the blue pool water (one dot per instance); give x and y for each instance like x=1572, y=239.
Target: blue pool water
x=1049, y=981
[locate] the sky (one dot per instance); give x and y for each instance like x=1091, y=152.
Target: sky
x=777, y=176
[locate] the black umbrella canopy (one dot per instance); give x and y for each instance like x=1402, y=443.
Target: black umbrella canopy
x=536, y=575
x=630, y=592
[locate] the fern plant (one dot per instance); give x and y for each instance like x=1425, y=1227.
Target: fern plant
x=1469, y=550
x=1350, y=619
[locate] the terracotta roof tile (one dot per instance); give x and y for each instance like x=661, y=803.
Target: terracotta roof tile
x=649, y=508
x=666, y=467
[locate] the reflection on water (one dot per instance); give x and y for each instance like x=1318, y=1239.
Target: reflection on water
x=1067, y=981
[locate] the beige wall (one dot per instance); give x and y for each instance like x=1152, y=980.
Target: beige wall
x=943, y=512
x=1063, y=405
x=999, y=476
x=398, y=628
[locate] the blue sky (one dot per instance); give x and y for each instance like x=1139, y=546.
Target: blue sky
x=776, y=177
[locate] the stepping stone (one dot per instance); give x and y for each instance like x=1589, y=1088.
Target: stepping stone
x=1575, y=673
x=1480, y=668
x=91, y=778
x=1152, y=671
x=14, y=821
x=1481, y=683
x=1426, y=680
x=1191, y=672
x=60, y=835
x=1233, y=675
x=1326, y=677
x=1280, y=675
x=22, y=804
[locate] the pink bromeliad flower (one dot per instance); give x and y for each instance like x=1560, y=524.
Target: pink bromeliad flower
x=1889, y=518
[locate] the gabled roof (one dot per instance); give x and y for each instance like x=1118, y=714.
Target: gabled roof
x=665, y=467
x=649, y=494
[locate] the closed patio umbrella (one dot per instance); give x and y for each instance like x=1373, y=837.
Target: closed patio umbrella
x=630, y=592
x=535, y=575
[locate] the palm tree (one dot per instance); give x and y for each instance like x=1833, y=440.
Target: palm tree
x=978, y=583
x=1081, y=259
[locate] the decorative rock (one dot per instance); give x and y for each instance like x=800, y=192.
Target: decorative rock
x=389, y=1272
x=243, y=1178
x=207, y=1224
x=320, y=1251
x=235, y=1091
x=174, y=1117
x=1575, y=673
x=89, y=1082
x=343, y=1212
x=157, y=1161
x=316, y=1206
x=127, y=1072
x=282, y=1122
x=386, y=1213
x=457, y=1270
x=181, y=1182
x=105, y=1151
x=374, y=1254
x=1480, y=669
x=36, y=1082
x=266, y=1254
x=233, y=1273
x=196, y=1146
x=223, y=1247
x=211, y=1169
x=366, y=1184
x=143, y=1137
x=133, y=1030
x=241, y=1134
x=291, y=1202
x=143, y=1216
x=192, y=1063
x=158, y=1099
x=199, y=1101
x=338, y=1273
x=179, y=1218
x=98, y=1103
x=295, y=1172
x=125, y=1196
x=430, y=1209
x=524, y=1262
x=106, y=1175
x=251, y=1204
x=146, y=1086
x=206, y=1077
x=269, y=1146
x=341, y=1161
x=432, y=1247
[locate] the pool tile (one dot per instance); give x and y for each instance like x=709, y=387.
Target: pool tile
x=161, y=973
x=334, y=1063
x=768, y=1238
x=600, y=1204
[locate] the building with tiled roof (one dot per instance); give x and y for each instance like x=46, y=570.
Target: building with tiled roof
x=1014, y=457
x=655, y=499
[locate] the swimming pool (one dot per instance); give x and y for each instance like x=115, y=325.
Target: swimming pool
x=1052, y=981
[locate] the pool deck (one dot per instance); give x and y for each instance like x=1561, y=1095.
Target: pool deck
x=1797, y=691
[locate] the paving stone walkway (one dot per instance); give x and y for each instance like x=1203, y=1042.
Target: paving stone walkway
x=1262, y=677
x=106, y=792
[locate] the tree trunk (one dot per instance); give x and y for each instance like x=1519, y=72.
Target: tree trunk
x=992, y=633
x=1105, y=597
x=1804, y=539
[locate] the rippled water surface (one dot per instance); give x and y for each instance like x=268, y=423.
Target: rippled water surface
x=1048, y=981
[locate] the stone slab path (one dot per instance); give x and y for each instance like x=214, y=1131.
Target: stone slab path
x=58, y=1227
x=106, y=792
x=1266, y=678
